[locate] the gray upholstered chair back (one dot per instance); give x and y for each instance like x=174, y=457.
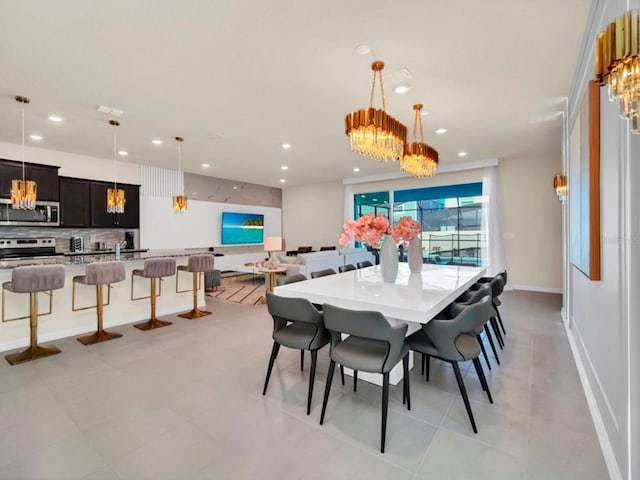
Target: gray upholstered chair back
x=37, y=278
x=323, y=273
x=497, y=285
x=365, y=324
x=159, y=267
x=443, y=333
x=365, y=264
x=285, y=310
x=475, y=295
x=287, y=279
x=346, y=268
x=200, y=263
x=101, y=273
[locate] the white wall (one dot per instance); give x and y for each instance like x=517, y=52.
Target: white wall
x=160, y=228
x=602, y=316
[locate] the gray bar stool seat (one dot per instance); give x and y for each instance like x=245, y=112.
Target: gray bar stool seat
x=99, y=274
x=31, y=280
x=197, y=265
x=154, y=268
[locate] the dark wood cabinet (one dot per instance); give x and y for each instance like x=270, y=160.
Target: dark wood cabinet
x=99, y=215
x=74, y=202
x=45, y=176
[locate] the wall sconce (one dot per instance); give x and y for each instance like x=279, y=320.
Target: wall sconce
x=560, y=186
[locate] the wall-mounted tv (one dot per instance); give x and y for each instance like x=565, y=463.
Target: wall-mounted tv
x=242, y=228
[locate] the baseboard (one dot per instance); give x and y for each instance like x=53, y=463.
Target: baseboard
x=533, y=288
x=601, y=431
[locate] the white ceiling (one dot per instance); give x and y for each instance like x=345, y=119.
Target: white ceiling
x=236, y=79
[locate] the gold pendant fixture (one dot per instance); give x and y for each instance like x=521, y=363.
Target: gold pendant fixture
x=560, y=186
x=372, y=131
x=180, y=201
x=23, y=192
x=617, y=64
x=419, y=159
x=115, y=195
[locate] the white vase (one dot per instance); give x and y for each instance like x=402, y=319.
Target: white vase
x=414, y=255
x=389, y=260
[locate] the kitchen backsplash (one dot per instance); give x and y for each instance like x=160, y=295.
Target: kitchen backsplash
x=62, y=236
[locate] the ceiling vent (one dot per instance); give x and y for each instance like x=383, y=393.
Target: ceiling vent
x=110, y=111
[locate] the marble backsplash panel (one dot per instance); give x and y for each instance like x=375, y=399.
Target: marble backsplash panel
x=63, y=235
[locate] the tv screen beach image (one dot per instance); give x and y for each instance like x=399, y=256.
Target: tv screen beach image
x=242, y=228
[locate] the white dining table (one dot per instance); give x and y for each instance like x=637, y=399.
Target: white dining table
x=413, y=299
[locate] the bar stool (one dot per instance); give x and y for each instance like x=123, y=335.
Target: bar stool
x=98, y=274
x=154, y=268
x=197, y=265
x=31, y=280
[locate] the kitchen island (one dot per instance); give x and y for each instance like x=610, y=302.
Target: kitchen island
x=64, y=322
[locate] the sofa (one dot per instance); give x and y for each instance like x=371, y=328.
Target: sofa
x=305, y=263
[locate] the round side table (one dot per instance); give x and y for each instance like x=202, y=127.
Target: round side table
x=270, y=277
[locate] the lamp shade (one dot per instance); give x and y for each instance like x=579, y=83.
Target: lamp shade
x=272, y=244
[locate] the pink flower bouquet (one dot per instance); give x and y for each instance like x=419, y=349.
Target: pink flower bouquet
x=406, y=229
x=367, y=229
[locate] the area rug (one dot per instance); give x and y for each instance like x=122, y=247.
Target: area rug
x=240, y=290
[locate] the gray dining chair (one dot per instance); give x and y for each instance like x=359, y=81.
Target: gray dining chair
x=453, y=342
x=323, y=273
x=365, y=264
x=287, y=279
x=372, y=345
x=296, y=324
x=346, y=268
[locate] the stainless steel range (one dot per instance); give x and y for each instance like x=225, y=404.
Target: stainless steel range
x=26, y=247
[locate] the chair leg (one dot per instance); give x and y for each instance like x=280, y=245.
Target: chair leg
x=312, y=377
x=483, y=379
x=500, y=321
x=496, y=330
x=423, y=361
x=342, y=373
x=327, y=389
x=153, y=322
x=463, y=392
x=302, y=360
x=274, y=354
x=196, y=312
x=427, y=366
x=405, y=381
x=385, y=407
x=355, y=380
x=484, y=352
x=490, y=338
x=101, y=335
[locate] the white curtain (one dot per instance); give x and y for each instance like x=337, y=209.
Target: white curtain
x=492, y=247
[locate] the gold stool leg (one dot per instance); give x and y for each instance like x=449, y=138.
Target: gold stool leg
x=153, y=322
x=101, y=335
x=34, y=351
x=196, y=312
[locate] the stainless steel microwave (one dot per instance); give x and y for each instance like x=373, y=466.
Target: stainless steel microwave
x=45, y=214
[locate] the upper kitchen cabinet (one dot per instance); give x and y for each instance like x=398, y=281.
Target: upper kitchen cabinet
x=45, y=176
x=99, y=216
x=75, y=209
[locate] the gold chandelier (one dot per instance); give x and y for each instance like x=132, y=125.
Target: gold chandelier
x=419, y=159
x=23, y=192
x=180, y=201
x=617, y=64
x=560, y=186
x=115, y=195
x=372, y=131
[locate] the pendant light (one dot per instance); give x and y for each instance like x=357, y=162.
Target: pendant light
x=180, y=201
x=23, y=192
x=115, y=195
x=419, y=159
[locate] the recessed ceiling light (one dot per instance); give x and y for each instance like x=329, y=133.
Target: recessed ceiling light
x=462, y=154
x=110, y=110
x=35, y=137
x=363, y=49
x=194, y=193
x=55, y=118
x=400, y=89
x=286, y=146
x=363, y=196
x=156, y=141
x=284, y=167
x=356, y=169
x=235, y=188
x=440, y=131
x=205, y=165
x=374, y=199
x=282, y=180
x=124, y=153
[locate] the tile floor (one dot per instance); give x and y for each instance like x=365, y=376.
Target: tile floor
x=185, y=402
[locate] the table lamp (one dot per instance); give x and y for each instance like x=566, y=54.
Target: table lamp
x=271, y=245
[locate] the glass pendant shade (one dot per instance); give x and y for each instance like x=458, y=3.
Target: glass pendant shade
x=115, y=196
x=419, y=159
x=617, y=64
x=373, y=132
x=23, y=192
x=180, y=201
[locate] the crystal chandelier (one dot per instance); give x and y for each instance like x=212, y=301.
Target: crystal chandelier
x=180, y=201
x=23, y=192
x=372, y=131
x=617, y=64
x=560, y=186
x=115, y=195
x=419, y=159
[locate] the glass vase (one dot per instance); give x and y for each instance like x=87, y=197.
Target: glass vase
x=389, y=260
x=414, y=255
